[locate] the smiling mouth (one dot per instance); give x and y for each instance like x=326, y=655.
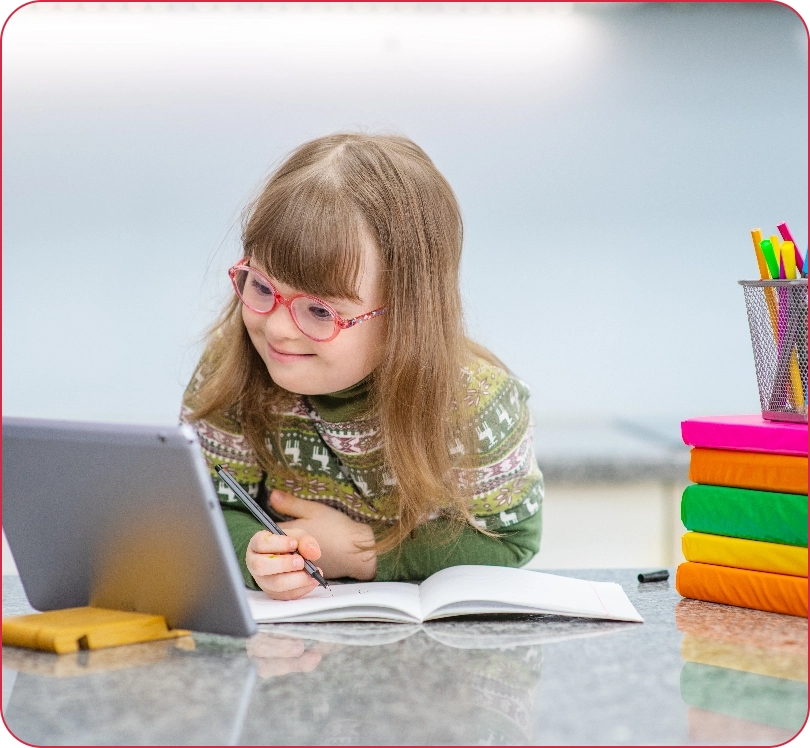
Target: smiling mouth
x=275, y=353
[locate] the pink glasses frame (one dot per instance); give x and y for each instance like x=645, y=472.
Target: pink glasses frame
x=340, y=323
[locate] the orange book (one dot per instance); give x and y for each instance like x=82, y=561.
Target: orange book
x=756, y=470
x=778, y=593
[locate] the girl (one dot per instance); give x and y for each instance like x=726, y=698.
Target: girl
x=340, y=390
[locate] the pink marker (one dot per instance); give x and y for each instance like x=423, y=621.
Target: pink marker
x=785, y=232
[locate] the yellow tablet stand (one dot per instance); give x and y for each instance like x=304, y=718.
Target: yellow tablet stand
x=72, y=629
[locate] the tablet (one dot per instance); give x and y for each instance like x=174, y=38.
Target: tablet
x=122, y=517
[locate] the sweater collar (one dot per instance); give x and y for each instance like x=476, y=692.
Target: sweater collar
x=344, y=405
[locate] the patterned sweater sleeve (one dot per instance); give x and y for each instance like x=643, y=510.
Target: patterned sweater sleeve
x=223, y=443
x=508, y=491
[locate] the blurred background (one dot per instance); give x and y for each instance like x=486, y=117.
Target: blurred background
x=610, y=160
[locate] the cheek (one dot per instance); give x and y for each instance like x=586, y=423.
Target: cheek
x=370, y=346
x=355, y=354
x=378, y=340
x=253, y=324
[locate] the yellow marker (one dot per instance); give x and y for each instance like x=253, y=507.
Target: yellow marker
x=766, y=274
x=789, y=259
x=756, y=237
x=796, y=392
x=776, y=243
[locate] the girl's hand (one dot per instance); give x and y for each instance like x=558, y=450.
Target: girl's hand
x=276, y=568
x=337, y=536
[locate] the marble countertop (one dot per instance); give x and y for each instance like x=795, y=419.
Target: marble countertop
x=694, y=673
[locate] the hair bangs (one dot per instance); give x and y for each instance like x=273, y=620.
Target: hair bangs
x=309, y=235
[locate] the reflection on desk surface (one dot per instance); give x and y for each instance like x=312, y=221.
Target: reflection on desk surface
x=339, y=691
x=307, y=691
x=525, y=680
x=744, y=675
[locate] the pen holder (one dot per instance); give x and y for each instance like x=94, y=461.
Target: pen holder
x=777, y=318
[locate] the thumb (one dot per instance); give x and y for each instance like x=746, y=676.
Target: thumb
x=288, y=504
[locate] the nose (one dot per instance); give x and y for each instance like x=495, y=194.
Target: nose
x=280, y=324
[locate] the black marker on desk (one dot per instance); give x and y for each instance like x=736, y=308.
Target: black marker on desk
x=261, y=515
x=654, y=576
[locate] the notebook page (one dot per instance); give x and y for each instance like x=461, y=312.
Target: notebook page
x=341, y=602
x=485, y=589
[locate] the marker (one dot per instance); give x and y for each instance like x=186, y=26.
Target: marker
x=654, y=576
x=777, y=253
x=261, y=515
x=796, y=390
x=789, y=260
x=770, y=258
x=801, y=265
x=756, y=237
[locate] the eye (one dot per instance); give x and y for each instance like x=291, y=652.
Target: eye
x=259, y=287
x=318, y=312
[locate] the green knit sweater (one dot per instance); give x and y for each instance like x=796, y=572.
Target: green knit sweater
x=332, y=450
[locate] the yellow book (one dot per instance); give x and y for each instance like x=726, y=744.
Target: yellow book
x=745, y=554
x=72, y=629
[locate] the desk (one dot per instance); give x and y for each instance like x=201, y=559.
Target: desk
x=533, y=680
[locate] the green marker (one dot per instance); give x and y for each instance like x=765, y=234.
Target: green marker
x=770, y=257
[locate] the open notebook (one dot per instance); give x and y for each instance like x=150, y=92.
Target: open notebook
x=457, y=591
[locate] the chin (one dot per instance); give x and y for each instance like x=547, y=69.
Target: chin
x=298, y=385
x=298, y=389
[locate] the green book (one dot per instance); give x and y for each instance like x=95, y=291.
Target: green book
x=759, y=698
x=743, y=513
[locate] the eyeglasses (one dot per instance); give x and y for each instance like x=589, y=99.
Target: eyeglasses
x=313, y=317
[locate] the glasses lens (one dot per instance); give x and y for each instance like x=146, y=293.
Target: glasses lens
x=254, y=290
x=313, y=318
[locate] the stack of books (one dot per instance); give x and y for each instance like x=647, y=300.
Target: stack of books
x=746, y=515
x=744, y=676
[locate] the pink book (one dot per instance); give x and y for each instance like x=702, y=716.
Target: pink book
x=746, y=433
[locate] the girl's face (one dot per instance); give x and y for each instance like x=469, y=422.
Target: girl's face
x=298, y=363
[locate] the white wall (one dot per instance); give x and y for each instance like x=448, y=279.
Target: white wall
x=619, y=525
x=610, y=160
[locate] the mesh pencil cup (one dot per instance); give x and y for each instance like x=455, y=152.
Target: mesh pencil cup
x=777, y=318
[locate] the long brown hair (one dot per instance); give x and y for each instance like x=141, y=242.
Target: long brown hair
x=303, y=229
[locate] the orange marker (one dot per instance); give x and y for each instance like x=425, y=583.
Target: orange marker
x=756, y=237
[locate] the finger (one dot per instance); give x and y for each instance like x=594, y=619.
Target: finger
x=266, y=542
x=295, y=583
x=272, y=668
x=291, y=594
x=266, y=645
x=307, y=545
x=288, y=504
x=264, y=565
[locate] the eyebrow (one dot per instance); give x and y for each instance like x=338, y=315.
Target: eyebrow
x=338, y=303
